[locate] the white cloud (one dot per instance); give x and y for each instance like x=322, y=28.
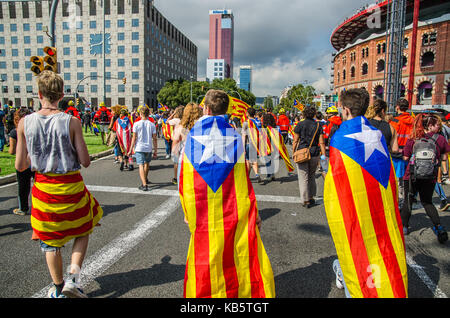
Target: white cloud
x=284, y=40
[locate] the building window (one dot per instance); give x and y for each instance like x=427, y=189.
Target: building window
x=404, y=61
x=66, y=63
x=425, y=93
x=79, y=37
x=135, y=62
x=135, y=49
x=120, y=36
x=67, y=76
x=93, y=24
x=120, y=23
x=93, y=63
x=344, y=75
x=79, y=25
x=365, y=69
x=120, y=6
x=26, y=27
x=135, y=35
x=40, y=39
x=66, y=38
x=79, y=50
x=427, y=59
x=121, y=88
x=121, y=49
x=380, y=66
x=135, y=88
x=94, y=88
x=80, y=63
x=121, y=62
x=13, y=27
x=80, y=76
x=352, y=72
x=429, y=38
x=135, y=22
x=92, y=7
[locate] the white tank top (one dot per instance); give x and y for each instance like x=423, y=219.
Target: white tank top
x=48, y=142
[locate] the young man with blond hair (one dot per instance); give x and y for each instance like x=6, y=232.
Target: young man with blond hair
x=52, y=143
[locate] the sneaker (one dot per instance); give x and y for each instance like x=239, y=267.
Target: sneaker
x=258, y=179
x=339, y=280
x=121, y=166
x=143, y=188
x=72, y=290
x=131, y=168
x=19, y=212
x=167, y=157
x=444, y=205
x=52, y=293
x=174, y=181
x=441, y=233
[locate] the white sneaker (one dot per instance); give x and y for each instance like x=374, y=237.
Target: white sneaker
x=446, y=181
x=72, y=290
x=52, y=293
x=167, y=156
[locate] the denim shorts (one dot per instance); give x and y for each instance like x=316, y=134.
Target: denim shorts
x=143, y=157
x=48, y=248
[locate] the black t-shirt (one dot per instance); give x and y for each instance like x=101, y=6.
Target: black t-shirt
x=385, y=129
x=306, y=129
x=13, y=134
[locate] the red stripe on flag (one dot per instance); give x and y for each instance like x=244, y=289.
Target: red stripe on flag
x=57, y=198
x=230, y=220
x=71, y=178
x=393, y=184
x=59, y=235
x=376, y=207
x=257, y=284
x=201, y=238
x=61, y=217
x=349, y=214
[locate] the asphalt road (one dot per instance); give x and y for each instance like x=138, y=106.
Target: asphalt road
x=139, y=251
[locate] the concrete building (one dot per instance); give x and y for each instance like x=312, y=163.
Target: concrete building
x=221, y=41
x=215, y=68
x=142, y=46
x=245, y=77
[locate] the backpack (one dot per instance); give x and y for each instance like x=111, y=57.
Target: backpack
x=424, y=162
x=103, y=117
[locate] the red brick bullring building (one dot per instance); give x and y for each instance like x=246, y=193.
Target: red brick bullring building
x=361, y=57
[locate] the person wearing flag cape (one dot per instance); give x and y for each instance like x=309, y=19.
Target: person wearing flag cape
x=361, y=204
x=226, y=256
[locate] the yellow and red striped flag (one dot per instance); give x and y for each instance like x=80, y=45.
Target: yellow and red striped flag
x=360, y=196
x=237, y=107
x=226, y=257
x=62, y=208
x=277, y=141
x=167, y=130
x=253, y=132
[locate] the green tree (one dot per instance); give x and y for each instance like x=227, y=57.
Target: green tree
x=303, y=94
x=178, y=92
x=268, y=102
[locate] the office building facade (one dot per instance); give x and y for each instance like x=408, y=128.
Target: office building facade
x=141, y=45
x=245, y=77
x=221, y=41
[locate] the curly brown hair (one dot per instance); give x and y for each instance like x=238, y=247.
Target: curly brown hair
x=19, y=114
x=192, y=112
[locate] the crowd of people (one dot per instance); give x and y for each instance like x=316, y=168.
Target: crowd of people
x=264, y=138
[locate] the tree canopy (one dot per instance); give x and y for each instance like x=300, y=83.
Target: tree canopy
x=303, y=94
x=178, y=92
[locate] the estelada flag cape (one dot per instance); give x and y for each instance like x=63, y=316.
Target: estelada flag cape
x=277, y=142
x=226, y=257
x=124, y=129
x=360, y=197
x=167, y=130
x=62, y=208
x=253, y=133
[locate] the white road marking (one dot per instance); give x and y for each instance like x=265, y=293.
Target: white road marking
x=98, y=263
x=174, y=193
x=437, y=292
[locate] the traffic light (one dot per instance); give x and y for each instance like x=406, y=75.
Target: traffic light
x=124, y=80
x=78, y=102
x=51, y=59
x=37, y=64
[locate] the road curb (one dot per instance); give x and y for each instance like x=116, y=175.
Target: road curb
x=12, y=177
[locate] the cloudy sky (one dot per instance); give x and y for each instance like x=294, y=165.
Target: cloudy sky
x=285, y=41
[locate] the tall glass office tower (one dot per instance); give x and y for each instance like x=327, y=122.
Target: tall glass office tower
x=245, y=77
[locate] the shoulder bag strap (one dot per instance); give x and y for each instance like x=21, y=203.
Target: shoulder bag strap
x=314, y=136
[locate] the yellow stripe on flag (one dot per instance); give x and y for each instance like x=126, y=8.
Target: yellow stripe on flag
x=59, y=208
x=378, y=269
x=339, y=234
x=60, y=188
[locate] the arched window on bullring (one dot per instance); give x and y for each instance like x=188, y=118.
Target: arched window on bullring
x=402, y=90
x=404, y=61
x=353, y=72
x=365, y=69
x=380, y=66
x=424, y=93
x=343, y=75
x=427, y=59
x=379, y=91
x=447, y=100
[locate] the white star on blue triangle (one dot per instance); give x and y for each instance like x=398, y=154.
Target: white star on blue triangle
x=213, y=148
x=366, y=145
